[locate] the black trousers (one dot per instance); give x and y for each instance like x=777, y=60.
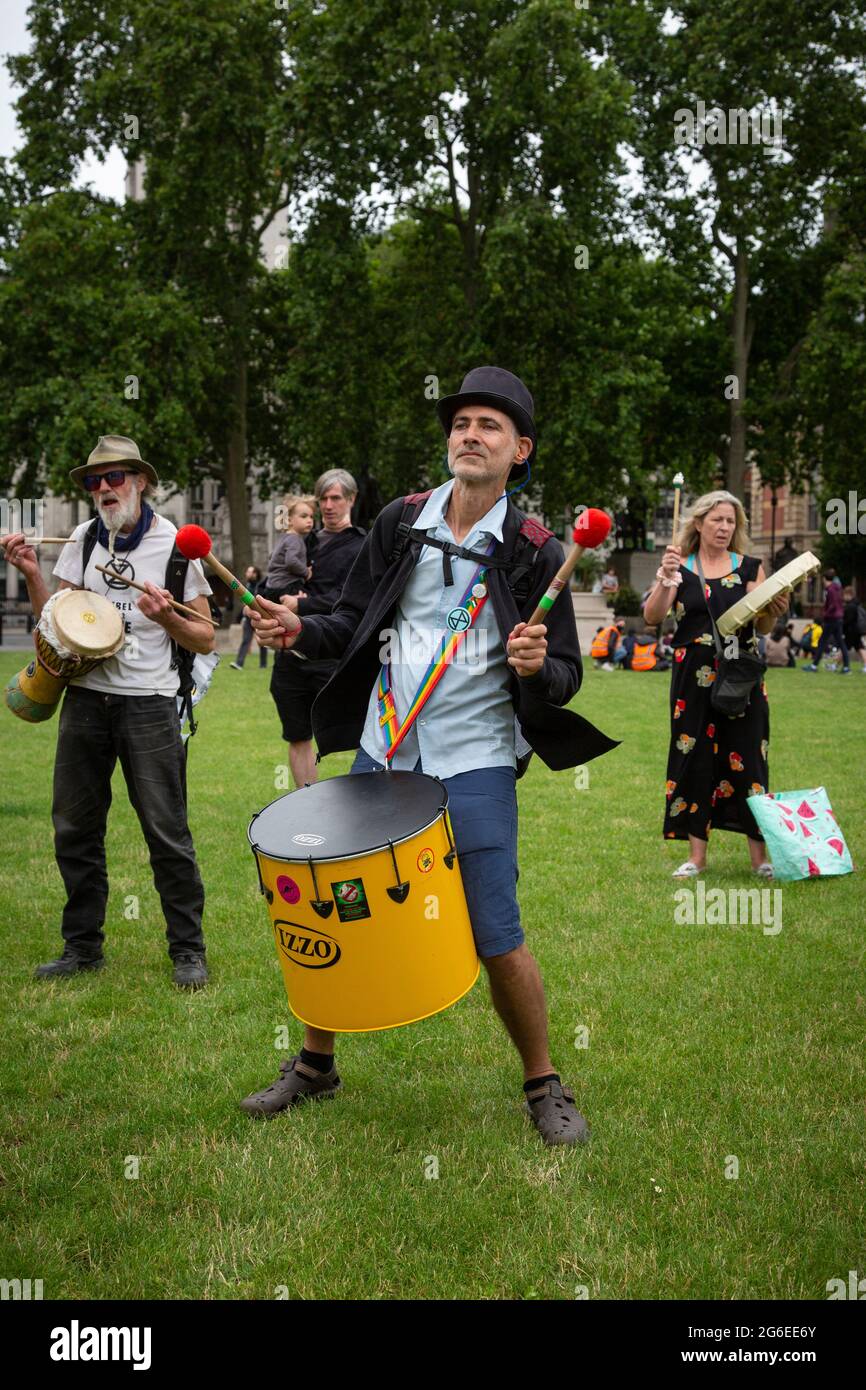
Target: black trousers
x=246, y=642
x=832, y=629
x=144, y=733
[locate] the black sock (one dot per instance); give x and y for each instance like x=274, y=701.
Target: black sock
x=537, y=1081
x=321, y=1061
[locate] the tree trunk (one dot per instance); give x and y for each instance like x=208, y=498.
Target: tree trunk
x=236, y=474
x=742, y=343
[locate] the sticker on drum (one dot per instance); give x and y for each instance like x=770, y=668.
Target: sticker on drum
x=288, y=889
x=426, y=860
x=308, y=839
x=351, y=899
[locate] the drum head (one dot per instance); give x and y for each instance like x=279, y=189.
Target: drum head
x=345, y=817
x=87, y=623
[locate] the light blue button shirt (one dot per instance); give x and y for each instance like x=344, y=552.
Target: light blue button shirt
x=468, y=722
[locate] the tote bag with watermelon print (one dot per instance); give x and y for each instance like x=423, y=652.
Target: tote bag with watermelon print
x=802, y=835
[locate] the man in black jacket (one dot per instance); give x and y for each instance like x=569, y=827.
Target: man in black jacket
x=479, y=729
x=295, y=682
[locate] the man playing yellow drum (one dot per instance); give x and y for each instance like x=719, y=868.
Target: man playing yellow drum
x=126, y=709
x=485, y=717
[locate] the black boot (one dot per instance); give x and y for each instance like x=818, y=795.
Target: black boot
x=70, y=963
x=190, y=971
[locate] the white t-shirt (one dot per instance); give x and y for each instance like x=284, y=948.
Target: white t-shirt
x=143, y=664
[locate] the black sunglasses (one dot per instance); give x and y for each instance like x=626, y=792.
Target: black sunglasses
x=114, y=477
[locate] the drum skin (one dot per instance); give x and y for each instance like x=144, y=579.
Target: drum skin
x=355, y=956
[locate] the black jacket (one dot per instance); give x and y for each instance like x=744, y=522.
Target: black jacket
x=331, y=564
x=367, y=605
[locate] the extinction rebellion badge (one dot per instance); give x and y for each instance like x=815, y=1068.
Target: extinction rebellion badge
x=351, y=899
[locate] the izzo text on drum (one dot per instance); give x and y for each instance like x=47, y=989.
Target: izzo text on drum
x=306, y=946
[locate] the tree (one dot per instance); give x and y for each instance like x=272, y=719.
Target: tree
x=493, y=129
x=86, y=349
x=800, y=67
x=203, y=95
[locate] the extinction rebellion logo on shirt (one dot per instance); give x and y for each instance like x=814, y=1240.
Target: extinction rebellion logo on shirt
x=120, y=566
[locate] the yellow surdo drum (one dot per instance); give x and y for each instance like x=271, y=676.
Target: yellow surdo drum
x=366, y=900
x=76, y=632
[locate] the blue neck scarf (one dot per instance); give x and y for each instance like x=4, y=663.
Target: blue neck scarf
x=123, y=544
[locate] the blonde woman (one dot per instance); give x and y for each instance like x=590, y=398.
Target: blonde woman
x=716, y=762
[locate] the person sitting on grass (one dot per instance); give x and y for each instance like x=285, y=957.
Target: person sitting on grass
x=606, y=650
x=777, y=647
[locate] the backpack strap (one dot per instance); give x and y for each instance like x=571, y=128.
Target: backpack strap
x=520, y=565
x=181, y=659
x=531, y=537
x=413, y=505
x=88, y=546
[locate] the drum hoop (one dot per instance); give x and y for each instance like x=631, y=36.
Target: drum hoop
x=340, y=858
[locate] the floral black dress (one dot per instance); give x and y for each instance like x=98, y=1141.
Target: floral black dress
x=716, y=761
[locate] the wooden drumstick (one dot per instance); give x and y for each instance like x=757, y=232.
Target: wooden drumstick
x=181, y=607
x=46, y=540
x=678, y=482
x=593, y=527
x=195, y=543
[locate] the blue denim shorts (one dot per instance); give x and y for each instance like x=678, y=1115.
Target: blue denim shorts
x=483, y=808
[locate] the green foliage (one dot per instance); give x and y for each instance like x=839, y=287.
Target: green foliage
x=439, y=193
x=626, y=602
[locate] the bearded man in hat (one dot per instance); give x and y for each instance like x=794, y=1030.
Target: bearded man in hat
x=480, y=725
x=126, y=708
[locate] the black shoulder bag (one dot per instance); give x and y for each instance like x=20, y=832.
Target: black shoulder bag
x=737, y=676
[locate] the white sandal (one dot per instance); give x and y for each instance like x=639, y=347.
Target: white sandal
x=687, y=870
x=764, y=871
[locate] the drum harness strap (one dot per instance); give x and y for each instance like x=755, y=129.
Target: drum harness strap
x=519, y=567
x=471, y=604
x=175, y=581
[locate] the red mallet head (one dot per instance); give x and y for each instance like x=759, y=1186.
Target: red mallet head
x=193, y=542
x=592, y=527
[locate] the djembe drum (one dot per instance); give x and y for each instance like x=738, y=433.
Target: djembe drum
x=77, y=630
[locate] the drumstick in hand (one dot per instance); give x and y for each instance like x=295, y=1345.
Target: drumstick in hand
x=47, y=540
x=180, y=607
x=195, y=543
x=678, y=482
x=593, y=526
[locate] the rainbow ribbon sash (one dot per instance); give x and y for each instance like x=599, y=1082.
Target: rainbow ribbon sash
x=393, y=732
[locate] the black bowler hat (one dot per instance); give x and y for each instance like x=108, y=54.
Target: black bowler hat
x=497, y=387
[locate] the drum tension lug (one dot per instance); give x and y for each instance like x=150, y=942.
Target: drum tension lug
x=448, y=859
x=400, y=892
x=319, y=905
x=268, y=894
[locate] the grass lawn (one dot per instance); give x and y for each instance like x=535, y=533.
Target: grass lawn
x=705, y=1042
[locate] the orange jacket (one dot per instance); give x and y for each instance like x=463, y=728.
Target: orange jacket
x=601, y=644
x=644, y=657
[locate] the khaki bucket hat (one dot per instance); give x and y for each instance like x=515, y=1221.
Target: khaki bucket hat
x=115, y=448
